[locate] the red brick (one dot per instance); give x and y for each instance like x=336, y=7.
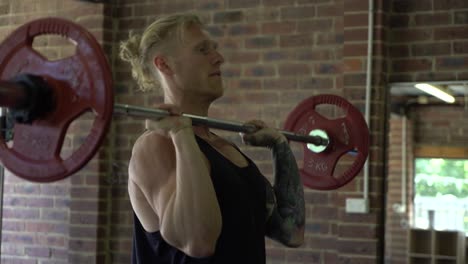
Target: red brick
x=54, y=215
x=277, y=28
x=339, y=24
x=329, y=10
x=59, y=254
x=209, y=5
x=13, y=213
x=275, y=254
x=460, y=47
x=27, y=189
x=355, y=79
x=313, y=2
x=245, y=84
x=315, y=25
x=82, y=245
x=402, y=6
x=278, y=2
x=352, y=50
x=297, y=12
x=450, y=4
x=451, y=63
x=356, y=5
x=242, y=57
x=259, y=71
x=303, y=256
x=314, y=55
x=262, y=42
x=296, y=40
x=399, y=21
x=354, y=259
x=411, y=35
x=451, y=33
x=242, y=29
x=318, y=228
x=315, y=83
x=42, y=227
x=229, y=72
x=228, y=17
x=175, y=6
x=242, y=3
x=12, y=226
x=411, y=65
x=255, y=15
x=124, y=10
x=355, y=34
x=329, y=39
x=356, y=20
x=431, y=49
x=295, y=98
x=353, y=65
x=361, y=248
x=280, y=84
x=293, y=69
x=18, y=238
x=434, y=19
x=329, y=68
x=277, y=55
x=400, y=77
x=88, y=192
x=9, y=260
x=357, y=231
x=321, y=242
x=461, y=17
x=130, y=23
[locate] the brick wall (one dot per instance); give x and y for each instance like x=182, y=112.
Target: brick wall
x=426, y=43
x=396, y=246
x=440, y=126
x=428, y=40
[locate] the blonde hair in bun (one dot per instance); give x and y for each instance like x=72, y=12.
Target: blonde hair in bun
x=139, y=50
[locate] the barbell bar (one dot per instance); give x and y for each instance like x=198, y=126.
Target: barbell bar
x=232, y=126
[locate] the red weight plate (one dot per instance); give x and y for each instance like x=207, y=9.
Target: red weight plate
x=81, y=83
x=349, y=133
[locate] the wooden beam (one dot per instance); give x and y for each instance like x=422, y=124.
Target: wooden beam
x=441, y=152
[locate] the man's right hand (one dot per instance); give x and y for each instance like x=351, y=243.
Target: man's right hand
x=170, y=125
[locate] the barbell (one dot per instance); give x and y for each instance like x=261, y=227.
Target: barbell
x=45, y=96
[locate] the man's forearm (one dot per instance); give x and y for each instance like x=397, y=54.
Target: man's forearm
x=288, y=185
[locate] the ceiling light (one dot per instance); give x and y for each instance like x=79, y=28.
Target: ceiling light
x=435, y=91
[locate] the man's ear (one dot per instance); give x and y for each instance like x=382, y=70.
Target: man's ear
x=161, y=63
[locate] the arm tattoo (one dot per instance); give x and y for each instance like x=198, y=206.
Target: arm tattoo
x=289, y=192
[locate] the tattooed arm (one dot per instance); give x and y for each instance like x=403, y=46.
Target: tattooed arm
x=287, y=219
x=285, y=200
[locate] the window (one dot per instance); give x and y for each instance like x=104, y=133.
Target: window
x=441, y=189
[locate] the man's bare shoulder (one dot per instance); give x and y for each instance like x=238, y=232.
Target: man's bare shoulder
x=153, y=158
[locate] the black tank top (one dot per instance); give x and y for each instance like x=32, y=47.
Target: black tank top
x=241, y=197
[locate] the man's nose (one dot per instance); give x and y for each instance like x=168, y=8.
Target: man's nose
x=218, y=59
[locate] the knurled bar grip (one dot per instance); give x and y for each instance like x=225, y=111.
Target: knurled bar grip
x=213, y=123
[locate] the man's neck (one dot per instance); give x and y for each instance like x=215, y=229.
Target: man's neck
x=190, y=105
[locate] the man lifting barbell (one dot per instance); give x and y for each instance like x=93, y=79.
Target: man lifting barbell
x=196, y=197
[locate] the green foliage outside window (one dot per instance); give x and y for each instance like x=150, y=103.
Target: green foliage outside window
x=441, y=176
